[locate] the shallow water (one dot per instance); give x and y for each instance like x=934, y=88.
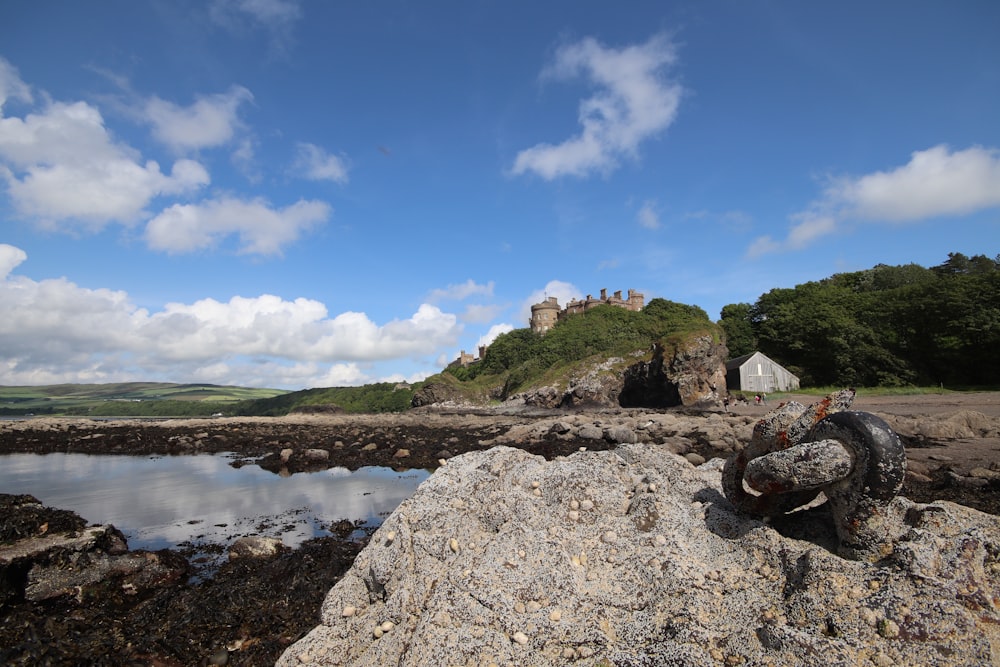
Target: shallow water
x=166, y=501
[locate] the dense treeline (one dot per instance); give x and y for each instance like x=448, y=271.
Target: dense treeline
x=521, y=356
x=885, y=326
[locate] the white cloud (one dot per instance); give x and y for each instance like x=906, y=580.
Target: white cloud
x=11, y=85
x=56, y=331
x=260, y=228
x=461, y=291
x=316, y=164
x=648, y=216
x=935, y=182
x=633, y=103
x=492, y=334
x=563, y=291
x=211, y=121
x=10, y=258
x=64, y=170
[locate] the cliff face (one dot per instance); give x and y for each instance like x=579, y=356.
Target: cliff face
x=635, y=557
x=691, y=372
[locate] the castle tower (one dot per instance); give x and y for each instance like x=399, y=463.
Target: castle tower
x=544, y=315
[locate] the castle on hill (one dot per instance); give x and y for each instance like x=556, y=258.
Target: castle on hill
x=544, y=315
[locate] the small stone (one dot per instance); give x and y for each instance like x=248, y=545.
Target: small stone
x=555, y=615
x=587, y=505
x=610, y=537
x=573, y=515
x=568, y=653
x=694, y=458
x=401, y=454
x=533, y=606
x=888, y=628
x=660, y=540
x=349, y=611
x=535, y=485
x=377, y=633
x=387, y=626
x=520, y=638
x=537, y=492
x=390, y=536
x=574, y=504
x=519, y=607
x=585, y=652
x=652, y=487
x=453, y=545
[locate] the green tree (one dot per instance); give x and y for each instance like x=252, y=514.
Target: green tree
x=736, y=323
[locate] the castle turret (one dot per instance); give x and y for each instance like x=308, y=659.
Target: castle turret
x=544, y=315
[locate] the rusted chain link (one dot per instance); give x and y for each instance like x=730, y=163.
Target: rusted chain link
x=795, y=453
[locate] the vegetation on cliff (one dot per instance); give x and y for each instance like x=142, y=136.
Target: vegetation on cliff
x=522, y=358
x=885, y=326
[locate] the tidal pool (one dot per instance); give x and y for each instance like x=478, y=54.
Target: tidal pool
x=168, y=501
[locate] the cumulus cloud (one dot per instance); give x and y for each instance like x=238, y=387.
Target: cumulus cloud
x=212, y=120
x=260, y=228
x=317, y=165
x=56, y=331
x=935, y=182
x=63, y=169
x=633, y=103
x=11, y=85
x=10, y=258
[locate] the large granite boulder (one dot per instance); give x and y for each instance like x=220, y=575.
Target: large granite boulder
x=635, y=557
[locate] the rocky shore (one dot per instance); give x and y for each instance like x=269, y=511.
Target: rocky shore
x=254, y=608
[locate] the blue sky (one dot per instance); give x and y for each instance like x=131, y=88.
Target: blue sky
x=303, y=194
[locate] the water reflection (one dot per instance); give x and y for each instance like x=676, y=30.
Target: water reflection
x=160, y=502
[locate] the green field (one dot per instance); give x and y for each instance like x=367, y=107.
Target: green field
x=126, y=399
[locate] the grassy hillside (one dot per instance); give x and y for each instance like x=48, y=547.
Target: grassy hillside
x=127, y=399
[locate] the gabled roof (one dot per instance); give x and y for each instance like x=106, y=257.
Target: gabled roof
x=738, y=361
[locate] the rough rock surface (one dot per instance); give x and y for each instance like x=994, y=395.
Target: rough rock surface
x=693, y=374
x=634, y=557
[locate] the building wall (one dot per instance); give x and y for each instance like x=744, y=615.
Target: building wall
x=759, y=373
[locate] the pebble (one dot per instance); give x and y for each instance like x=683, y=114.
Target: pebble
x=652, y=487
x=574, y=505
x=349, y=611
x=453, y=545
x=586, y=505
x=387, y=626
x=521, y=638
x=610, y=537
x=555, y=615
x=537, y=492
x=533, y=606
x=535, y=485
x=390, y=536
x=573, y=515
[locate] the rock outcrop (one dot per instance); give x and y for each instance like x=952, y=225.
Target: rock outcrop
x=635, y=557
x=691, y=374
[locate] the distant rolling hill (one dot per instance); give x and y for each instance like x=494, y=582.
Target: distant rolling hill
x=127, y=399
